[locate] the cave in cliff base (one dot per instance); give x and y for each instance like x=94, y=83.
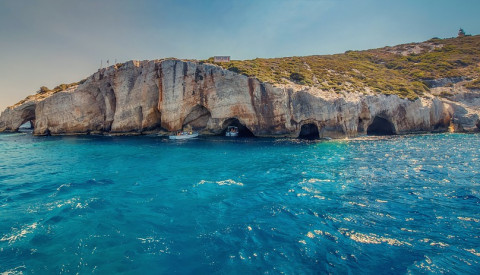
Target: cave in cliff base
x=197, y=118
x=309, y=131
x=380, y=127
x=243, y=131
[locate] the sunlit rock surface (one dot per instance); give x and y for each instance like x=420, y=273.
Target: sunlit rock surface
x=168, y=95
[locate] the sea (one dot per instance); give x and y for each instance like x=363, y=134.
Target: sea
x=217, y=205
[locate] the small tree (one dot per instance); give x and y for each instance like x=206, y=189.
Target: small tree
x=42, y=90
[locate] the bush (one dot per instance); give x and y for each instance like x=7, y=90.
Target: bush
x=43, y=90
x=382, y=70
x=297, y=77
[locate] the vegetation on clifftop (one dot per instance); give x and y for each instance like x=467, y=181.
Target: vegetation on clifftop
x=402, y=70
x=44, y=91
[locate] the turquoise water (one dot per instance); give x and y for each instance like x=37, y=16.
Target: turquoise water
x=143, y=205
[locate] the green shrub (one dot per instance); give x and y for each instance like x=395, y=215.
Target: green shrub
x=297, y=77
x=382, y=70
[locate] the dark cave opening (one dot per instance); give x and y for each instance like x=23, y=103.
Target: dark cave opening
x=380, y=127
x=243, y=131
x=309, y=131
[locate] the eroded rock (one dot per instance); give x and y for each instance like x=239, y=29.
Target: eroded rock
x=167, y=95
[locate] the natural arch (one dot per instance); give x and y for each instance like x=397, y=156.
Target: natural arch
x=381, y=127
x=28, y=115
x=243, y=131
x=197, y=118
x=309, y=131
x=27, y=125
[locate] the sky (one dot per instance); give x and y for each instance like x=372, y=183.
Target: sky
x=49, y=42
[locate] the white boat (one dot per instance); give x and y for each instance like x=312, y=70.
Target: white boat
x=232, y=131
x=184, y=135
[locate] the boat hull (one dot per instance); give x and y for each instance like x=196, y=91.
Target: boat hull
x=184, y=136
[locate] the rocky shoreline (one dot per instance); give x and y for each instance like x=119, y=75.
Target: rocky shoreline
x=141, y=97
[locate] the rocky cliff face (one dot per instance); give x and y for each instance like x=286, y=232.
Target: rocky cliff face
x=168, y=95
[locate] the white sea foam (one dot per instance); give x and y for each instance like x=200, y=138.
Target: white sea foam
x=371, y=238
x=222, y=182
x=357, y=203
x=229, y=182
x=19, y=233
x=321, y=233
x=14, y=271
x=468, y=219
x=473, y=251
x=408, y=230
x=63, y=185
x=148, y=240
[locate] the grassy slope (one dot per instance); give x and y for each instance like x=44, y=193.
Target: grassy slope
x=383, y=70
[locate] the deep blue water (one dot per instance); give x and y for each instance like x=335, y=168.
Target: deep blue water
x=143, y=205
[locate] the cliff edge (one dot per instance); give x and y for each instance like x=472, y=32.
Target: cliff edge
x=167, y=95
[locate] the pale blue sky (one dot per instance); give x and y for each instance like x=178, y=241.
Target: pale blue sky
x=45, y=43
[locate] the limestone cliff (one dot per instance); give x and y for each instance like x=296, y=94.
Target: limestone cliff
x=423, y=87
x=150, y=96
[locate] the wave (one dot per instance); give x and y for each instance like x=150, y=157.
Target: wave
x=19, y=233
x=371, y=238
x=220, y=183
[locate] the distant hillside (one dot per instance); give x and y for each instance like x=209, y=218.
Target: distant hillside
x=406, y=70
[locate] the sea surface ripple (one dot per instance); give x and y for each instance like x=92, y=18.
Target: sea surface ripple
x=143, y=205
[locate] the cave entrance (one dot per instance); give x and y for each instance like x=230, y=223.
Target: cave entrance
x=28, y=118
x=309, y=131
x=243, y=131
x=380, y=127
x=197, y=118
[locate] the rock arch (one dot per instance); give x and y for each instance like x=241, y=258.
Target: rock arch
x=381, y=127
x=309, y=131
x=243, y=130
x=197, y=118
x=27, y=125
x=27, y=115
